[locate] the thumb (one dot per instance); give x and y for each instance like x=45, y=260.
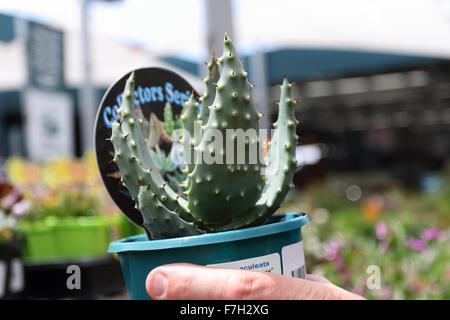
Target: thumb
x=187, y=281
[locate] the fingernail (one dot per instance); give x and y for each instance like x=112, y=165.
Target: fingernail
x=158, y=285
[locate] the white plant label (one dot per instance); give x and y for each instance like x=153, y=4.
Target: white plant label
x=268, y=263
x=292, y=259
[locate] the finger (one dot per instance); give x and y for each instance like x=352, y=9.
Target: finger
x=187, y=281
x=317, y=278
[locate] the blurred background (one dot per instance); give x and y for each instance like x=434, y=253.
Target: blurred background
x=374, y=81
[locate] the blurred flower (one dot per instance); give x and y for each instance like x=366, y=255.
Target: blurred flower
x=416, y=244
x=384, y=292
x=419, y=286
x=383, y=246
x=10, y=199
x=371, y=208
x=430, y=233
x=387, y=228
x=332, y=249
x=359, y=290
x=49, y=197
x=443, y=235
x=21, y=208
x=15, y=168
x=381, y=230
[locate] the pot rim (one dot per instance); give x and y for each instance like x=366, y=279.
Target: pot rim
x=283, y=222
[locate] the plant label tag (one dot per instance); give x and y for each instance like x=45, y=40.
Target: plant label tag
x=294, y=260
x=268, y=263
x=155, y=87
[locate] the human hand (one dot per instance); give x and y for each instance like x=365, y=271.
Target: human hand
x=184, y=281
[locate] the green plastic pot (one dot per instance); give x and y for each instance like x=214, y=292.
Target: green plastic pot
x=40, y=241
x=82, y=237
x=56, y=238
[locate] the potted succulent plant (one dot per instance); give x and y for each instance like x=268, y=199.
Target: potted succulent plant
x=221, y=212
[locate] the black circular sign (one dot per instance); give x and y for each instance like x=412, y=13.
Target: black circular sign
x=154, y=87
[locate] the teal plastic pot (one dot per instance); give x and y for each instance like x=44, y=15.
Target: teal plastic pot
x=274, y=247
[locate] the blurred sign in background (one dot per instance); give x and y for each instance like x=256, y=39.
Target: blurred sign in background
x=45, y=54
x=48, y=110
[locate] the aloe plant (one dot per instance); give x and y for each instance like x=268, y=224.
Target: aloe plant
x=219, y=196
x=208, y=98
